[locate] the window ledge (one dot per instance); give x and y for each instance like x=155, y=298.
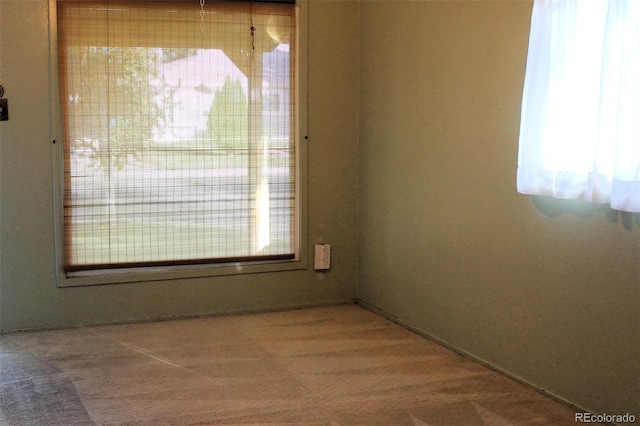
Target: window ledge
x=166, y=273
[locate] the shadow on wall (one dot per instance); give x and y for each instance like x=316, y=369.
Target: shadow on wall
x=553, y=207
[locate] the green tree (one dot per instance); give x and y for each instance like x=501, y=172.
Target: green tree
x=113, y=93
x=228, y=123
x=112, y=106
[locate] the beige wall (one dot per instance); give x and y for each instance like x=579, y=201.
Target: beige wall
x=547, y=291
x=28, y=294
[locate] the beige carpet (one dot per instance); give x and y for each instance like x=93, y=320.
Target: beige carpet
x=339, y=365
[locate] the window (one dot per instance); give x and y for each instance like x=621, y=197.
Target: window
x=580, y=125
x=172, y=152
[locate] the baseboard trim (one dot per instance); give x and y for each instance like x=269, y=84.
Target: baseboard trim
x=248, y=311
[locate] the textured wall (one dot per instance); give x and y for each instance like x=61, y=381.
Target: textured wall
x=545, y=290
x=29, y=297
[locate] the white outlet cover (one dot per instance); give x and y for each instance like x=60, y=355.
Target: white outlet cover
x=322, y=257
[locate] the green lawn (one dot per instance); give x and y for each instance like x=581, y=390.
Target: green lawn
x=133, y=241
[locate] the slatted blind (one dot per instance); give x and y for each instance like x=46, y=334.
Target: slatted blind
x=179, y=130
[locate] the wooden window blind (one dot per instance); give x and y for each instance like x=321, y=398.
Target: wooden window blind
x=175, y=152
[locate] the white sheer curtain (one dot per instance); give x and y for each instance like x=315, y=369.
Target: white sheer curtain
x=580, y=123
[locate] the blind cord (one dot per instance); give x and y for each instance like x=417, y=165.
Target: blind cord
x=253, y=33
x=202, y=15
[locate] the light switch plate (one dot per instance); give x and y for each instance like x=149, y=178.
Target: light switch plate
x=322, y=257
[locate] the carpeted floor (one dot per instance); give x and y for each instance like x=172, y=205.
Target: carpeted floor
x=339, y=365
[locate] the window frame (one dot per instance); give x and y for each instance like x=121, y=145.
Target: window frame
x=186, y=270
